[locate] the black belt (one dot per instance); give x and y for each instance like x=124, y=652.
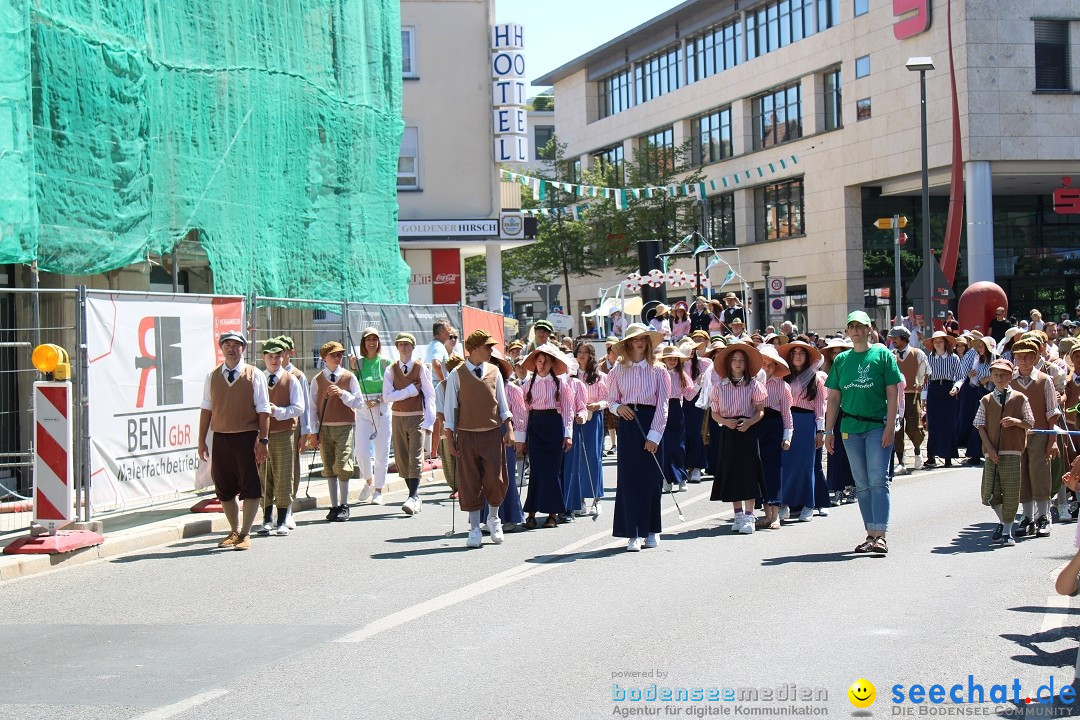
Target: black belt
x=863, y=418
x=796, y=409
x=543, y=412
x=638, y=406
x=942, y=382
x=771, y=412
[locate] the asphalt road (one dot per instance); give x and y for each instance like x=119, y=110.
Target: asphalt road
x=386, y=617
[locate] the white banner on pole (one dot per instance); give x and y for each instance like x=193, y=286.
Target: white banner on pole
x=149, y=358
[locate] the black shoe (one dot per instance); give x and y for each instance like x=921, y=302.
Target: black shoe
x=343, y=513
x=997, y=532
x=1055, y=515
x=973, y=462
x=333, y=514
x=565, y=518
x=1025, y=528
x=948, y=462
x=930, y=465
x=1042, y=527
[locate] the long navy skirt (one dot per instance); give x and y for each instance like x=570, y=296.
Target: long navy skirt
x=838, y=470
x=736, y=464
x=673, y=447
x=798, y=471
x=941, y=421
x=822, y=496
x=592, y=445
x=770, y=436
x=545, y=441
x=967, y=435
x=695, y=446
x=637, y=500
x=576, y=485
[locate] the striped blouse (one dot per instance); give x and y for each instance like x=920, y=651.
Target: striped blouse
x=778, y=397
x=944, y=367
x=970, y=362
x=731, y=401
x=817, y=405
x=645, y=384
x=579, y=398
x=515, y=398
x=597, y=392
x=543, y=398
x=680, y=388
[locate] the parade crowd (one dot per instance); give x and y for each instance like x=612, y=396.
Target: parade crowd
x=786, y=425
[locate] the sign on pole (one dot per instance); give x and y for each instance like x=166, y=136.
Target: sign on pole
x=777, y=285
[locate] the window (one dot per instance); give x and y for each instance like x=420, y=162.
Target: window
x=542, y=135
x=862, y=7
x=862, y=109
x=778, y=117
x=408, y=164
x=615, y=93
x=721, y=209
x=657, y=153
x=828, y=14
x=833, y=101
x=612, y=158
x=711, y=140
x=408, y=52
x=862, y=66
x=1052, y=55
x=657, y=75
x=717, y=49
x=777, y=25
x=780, y=210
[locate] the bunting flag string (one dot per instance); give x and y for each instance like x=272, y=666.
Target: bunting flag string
x=622, y=196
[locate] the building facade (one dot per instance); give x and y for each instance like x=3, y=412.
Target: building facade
x=822, y=86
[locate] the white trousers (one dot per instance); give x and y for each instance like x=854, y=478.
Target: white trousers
x=365, y=428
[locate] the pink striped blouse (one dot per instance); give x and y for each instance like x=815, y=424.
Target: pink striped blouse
x=597, y=392
x=683, y=389
x=579, y=398
x=543, y=398
x=515, y=398
x=799, y=399
x=731, y=401
x=645, y=384
x=778, y=397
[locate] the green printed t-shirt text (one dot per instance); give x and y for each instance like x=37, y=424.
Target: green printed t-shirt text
x=371, y=375
x=861, y=378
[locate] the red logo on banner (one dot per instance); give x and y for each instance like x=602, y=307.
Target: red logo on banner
x=228, y=317
x=1066, y=198
x=915, y=24
x=446, y=276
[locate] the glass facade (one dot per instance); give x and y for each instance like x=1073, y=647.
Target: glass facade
x=711, y=137
x=657, y=153
x=721, y=216
x=779, y=210
x=833, y=100
x=616, y=93
x=717, y=49
x=657, y=75
x=778, y=117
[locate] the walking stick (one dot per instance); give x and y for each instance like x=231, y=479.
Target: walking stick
x=585, y=460
x=307, y=487
x=661, y=469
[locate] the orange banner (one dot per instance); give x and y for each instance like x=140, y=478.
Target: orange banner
x=475, y=319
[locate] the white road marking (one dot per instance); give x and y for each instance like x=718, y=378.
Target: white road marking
x=494, y=582
x=1055, y=620
x=178, y=707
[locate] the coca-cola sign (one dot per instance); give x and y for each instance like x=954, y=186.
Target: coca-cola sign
x=446, y=279
x=446, y=276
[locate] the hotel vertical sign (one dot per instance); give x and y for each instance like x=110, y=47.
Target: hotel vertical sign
x=508, y=94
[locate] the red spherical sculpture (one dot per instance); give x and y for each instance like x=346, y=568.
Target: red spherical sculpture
x=977, y=305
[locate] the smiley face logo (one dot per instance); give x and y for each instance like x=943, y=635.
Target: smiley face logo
x=862, y=693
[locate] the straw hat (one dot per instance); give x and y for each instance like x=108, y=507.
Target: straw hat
x=813, y=355
x=681, y=304
x=551, y=351
x=504, y=365
x=950, y=341
x=700, y=337
x=987, y=342
x=714, y=346
x=688, y=347
x=634, y=330
x=837, y=345
x=671, y=351
x=1009, y=335
x=768, y=352
x=753, y=358
x=661, y=310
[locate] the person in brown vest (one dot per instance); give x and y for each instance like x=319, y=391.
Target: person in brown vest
x=1003, y=419
x=236, y=408
x=335, y=394
x=287, y=404
x=303, y=429
x=407, y=386
x=915, y=369
x=1035, y=480
x=478, y=424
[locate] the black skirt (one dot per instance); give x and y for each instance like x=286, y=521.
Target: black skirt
x=736, y=464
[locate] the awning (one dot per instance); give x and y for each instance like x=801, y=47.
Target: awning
x=629, y=306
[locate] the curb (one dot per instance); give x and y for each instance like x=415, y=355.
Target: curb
x=168, y=531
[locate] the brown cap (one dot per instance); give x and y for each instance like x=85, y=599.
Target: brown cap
x=1002, y=365
x=331, y=347
x=478, y=339
x=1025, y=346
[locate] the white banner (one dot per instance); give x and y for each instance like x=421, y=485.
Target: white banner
x=149, y=358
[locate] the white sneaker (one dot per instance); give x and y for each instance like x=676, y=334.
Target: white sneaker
x=1063, y=512
x=581, y=512
x=682, y=486
x=695, y=475
x=418, y=505
x=290, y=522
x=282, y=530
x=823, y=512
x=667, y=486
x=595, y=509
x=806, y=515
x=785, y=512
x=634, y=545
x=495, y=528
x=737, y=523
x=474, y=538
x=748, y=525
x=901, y=469
x=918, y=462
x=408, y=506
x=266, y=529
x=653, y=540
x=377, y=498
x=366, y=494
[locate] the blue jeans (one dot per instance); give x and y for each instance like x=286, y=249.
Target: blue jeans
x=870, y=469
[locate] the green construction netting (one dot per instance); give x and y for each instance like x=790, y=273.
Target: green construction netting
x=271, y=128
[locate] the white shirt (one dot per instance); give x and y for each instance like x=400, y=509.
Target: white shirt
x=305, y=417
x=390, y=394
x=297, y=405
x=260, y=394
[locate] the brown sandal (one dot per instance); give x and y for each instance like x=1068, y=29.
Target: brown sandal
x=865, y=546
x=530, y=524
x=880, y=547
x=551, y=522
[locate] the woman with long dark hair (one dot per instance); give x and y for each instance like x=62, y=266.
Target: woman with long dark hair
x=808, y=396
x=590, y=452
x=680, y=321
x=774, y=436
x=973, y=382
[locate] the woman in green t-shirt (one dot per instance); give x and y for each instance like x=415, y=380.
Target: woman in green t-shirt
x=373, y=419
x=864, y=382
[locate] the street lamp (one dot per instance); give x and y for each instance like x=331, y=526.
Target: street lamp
x=921, y=65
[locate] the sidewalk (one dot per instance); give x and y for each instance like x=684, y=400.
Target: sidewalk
x=163, y=524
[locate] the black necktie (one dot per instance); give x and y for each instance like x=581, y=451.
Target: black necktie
x=333, y=377
x=271, y=380
x=478, y=371
x=232, y=376
x=1001, y=397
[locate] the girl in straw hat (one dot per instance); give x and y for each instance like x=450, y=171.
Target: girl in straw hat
x=774, y=437
x=737, y=402
x=591, y=466
x=973, y=382
x=546, y=432
x=673, y=447
x=800, y=472
x=698, y=368
x=941, y=404
x=638, y=391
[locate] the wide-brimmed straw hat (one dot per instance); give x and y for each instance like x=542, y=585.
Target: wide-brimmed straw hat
x=838, y=345
x=813, y=355
x=551, y=351
x=753, y=358
x=688, y=347
x=715, y=346
x=505, y=365
x=661, y=310
x=950, y=341
x=768, y=352
x=672, y=351
x=634, y=330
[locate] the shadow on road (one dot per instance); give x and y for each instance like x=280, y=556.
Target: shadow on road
x=839, y=556
x=1041, y=657
x=972, y=539
x=406, y=554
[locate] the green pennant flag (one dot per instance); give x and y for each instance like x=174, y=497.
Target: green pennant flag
x=649, y=192
x=783, y=164
x=794, y=160
x=747, y=174
x=701, y=190
x=712, y=184
x=772, y=167
x=760, y=172
x=724, y=180
x=543, y=190
x=737, y=180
